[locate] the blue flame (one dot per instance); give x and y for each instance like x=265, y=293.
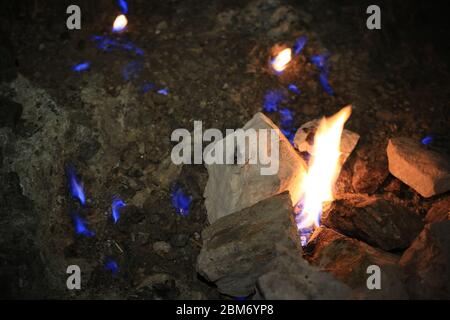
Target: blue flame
x=112, y=266
x=180, y=201
x=81, y=66
x=163, y=91
x=427, y=140
x=272, y=99
x=293, y=88
x=123, y=6
x=323, y=79
x=117, y=203
x=107, y=44
x=131, y=70
x=80, y=226
x=75, y=186
x=299, y=44
x=146, y=87
x=286, y=124
x=320, y=61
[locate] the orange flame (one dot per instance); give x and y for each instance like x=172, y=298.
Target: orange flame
x=317, y=185
x=281, y=60
x=120, y=23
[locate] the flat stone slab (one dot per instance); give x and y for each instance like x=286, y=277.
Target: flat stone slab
x=231, y=188
x=348, y=259
x=427, y=263
x=374, y=220
x=238, y=247
x=292, y=278
x=424, y=170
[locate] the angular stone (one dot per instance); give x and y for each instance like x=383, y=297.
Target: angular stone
x=369, y=174
x=238, y=247
x=427, y=263
x=231, y=188
x=426, y=171
x=374, y=220
x=439, y=211
x=348, y=259
x=304, y=139
x=292, y=278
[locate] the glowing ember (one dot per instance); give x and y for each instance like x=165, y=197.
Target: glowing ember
x=281, y=60
x=317, y=185
x=120, y=23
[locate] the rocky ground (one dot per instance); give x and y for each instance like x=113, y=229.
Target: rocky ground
x=212, y=57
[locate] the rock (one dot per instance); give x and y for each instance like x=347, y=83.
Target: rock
x=291, y=277
x=179, y=240
x=369, y=174
x=348, y=259
x=231, y=188
x=161, y=248
x=439, y=211
x=304, y=139
x=10, y=112
x=374, y=220
x=426, y=171
x=165, y=174
x=427, y=263
x=238, y=247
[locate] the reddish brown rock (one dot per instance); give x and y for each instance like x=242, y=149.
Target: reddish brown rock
x=439, y=211
x=374, y=220
x=348, y=259
x=369, y=174
x=427, y=263
x=426, y=171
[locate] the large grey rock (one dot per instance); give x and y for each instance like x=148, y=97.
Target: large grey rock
x=304, y=139
x=425, y=171
x=374, y=220
x=237, y=248
x=348, y=259
x=231, y=188
x=427, y=263
x=292, y=278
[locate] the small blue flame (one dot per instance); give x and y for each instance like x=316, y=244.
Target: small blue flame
x=81, y=66
x=320, y=61
x=272, y=99
x=80, y=226
x=427, y=140
x=112, y=266
x=293, y=88
x=123, y=6
x=163, y=91
x=115, y=206
x=286, y=124
x=180, y=201
x=75, y=186
x=323, y=79
x=146, y=87
x=107, y=44
x=131, y=70
x=299, y=44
